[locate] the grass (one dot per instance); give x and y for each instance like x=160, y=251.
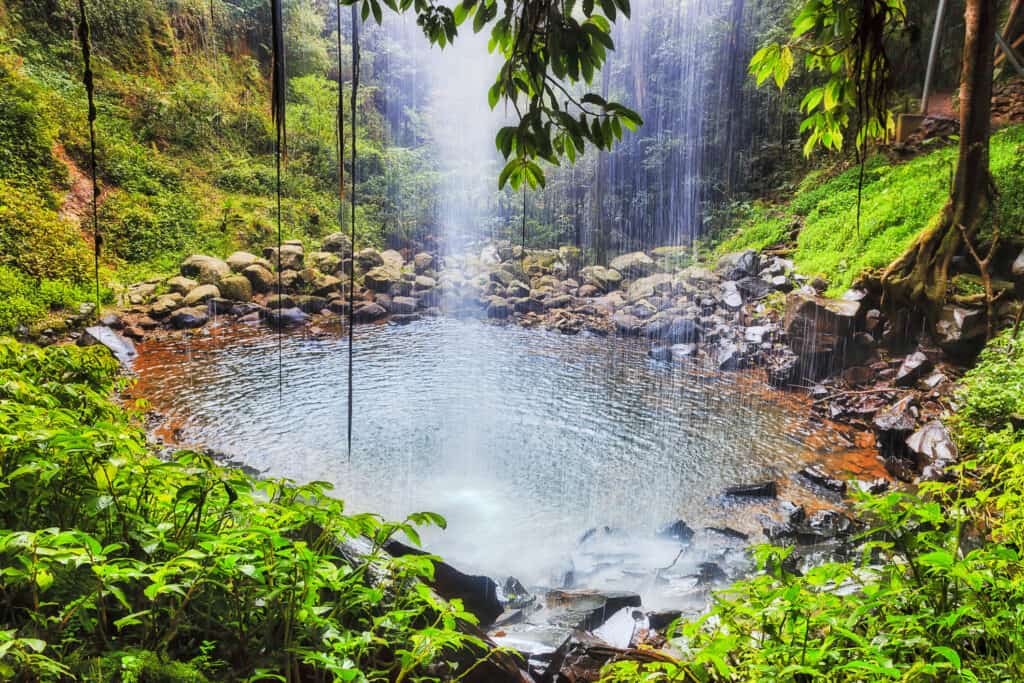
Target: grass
x=899, y=200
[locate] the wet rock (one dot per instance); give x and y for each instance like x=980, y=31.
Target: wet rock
x=738, y=265
x=378, y=279
x=240, y=260
x=135, y=333
x=960, y=332
x=709, y=573
x=933, y=446
x=422, y=283
x=218, y=305
x=819, y=329
x=856, y=375
x=560, y=301
x=912, y=369
x=728, y=532
x=515, y=593
x=681, y=352
x=586, y=609
x=181, y=285
x=498, y=307
x=292, y=257
x=588, y=291
x=422, y=262
x=528, y=305
x=627, y=325
x=874, y=486
x=621, y=629
x=830, y=523
x=783, y=369
x=781, y=283
x=260, y=278
x=208, y=270
x=285, y=317
x=404, y=318
x=122, y=349
x=605, y=279
x=369, y=312
x=280, y=301
x=728, y=356
x=646, y=287
x=819, y=477
x=368, y=259
x=899, y=418
x=753, y=288
x=325, y=285
x=324, y=261
x=201, y=295
x=112, y=320
x=165, y=305
x=479, y=594
x=731, y=297
x=633, y=265
x=235, y=288
x=402, y=305
x=660, y=620
x=140, y=293
x=337, y=242
x=765, y=489
x=190, y=317
x=309, y=304
x=755, y=334
x=677, y=531
x=660, y=352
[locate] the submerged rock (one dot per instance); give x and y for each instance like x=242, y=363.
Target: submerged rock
x=187, y=318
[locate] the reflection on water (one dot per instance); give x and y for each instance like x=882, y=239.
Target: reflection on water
x=522, y=439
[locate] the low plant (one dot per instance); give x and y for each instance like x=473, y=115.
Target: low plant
x=118, y=565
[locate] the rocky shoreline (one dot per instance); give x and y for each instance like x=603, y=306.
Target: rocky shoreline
x=749, y=311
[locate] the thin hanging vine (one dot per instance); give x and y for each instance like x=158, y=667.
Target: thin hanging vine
x=352, y=224
x=277, y=111
x=87, y=79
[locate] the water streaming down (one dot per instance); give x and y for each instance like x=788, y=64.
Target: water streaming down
x=523, y=439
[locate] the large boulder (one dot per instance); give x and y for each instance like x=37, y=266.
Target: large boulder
x=201, y=295
x=605, y=279
x=122, y=349
x=260, y=278
x=324, y=285
x=165, y=305
x=378, y=279
x=369, y=312
x=392, y=262
x=240, y=260
x=180, y=284
x=646, y=287
x=961, y=332
x=236, y=288
x=208, y=270
x=285, y=317
x=324, y=261
x=498, y=307
x=337, y=243
x=292, y=257
x=739, y=264
x=626, y=324
x=422, y=262
x=369, y=258
x=820, y=330
x=190, y=317
x=633, y=265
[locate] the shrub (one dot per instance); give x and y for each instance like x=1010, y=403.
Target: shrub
x=177, y=568
x=36, y=240
x=138, y=227
x=26, y=139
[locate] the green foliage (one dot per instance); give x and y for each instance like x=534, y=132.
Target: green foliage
x=119, y=565
x=26, y=134
x=848, y=42
x=139, y=228
x=304, y=42
x=899, y=200
x=936, y=595
x=36, y=240
x=25, y=300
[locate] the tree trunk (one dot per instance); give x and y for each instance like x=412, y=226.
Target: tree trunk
x=920, y=277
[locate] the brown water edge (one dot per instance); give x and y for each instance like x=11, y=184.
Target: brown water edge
x=856, y=458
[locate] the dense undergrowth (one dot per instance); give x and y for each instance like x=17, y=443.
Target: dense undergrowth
x=116, y=565
x=899, y=199
x=185, y=143
x=936, y=596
